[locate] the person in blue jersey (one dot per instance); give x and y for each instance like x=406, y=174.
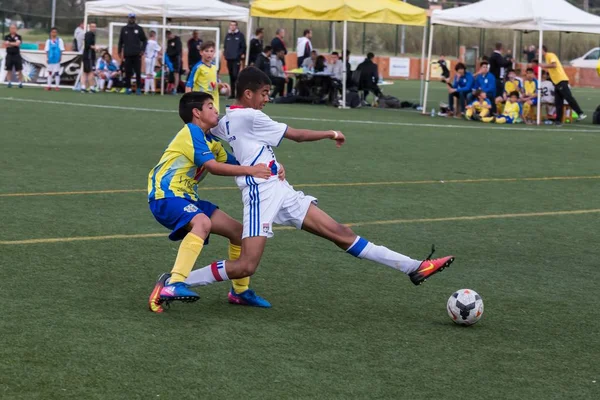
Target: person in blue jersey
x=486, y=82
x=54, y=49
x=461, y=87
x=175, y=203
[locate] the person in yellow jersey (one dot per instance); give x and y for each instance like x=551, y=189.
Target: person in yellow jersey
x=480, y=107
x=174, y=201
x=562, y=91
x=512, y=84
x=203, y=77
x=511, y=113
x=530, y=98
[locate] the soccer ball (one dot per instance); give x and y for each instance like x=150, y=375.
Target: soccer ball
x=465, y=307
x=224, y=89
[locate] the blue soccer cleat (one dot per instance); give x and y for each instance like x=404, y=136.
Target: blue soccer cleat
x=179, y=291
x=138, y=92
x=247, y=298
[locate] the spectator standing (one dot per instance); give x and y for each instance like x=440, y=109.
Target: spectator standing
x=309, y=63
x=530, y=53
x=54, y=48
x=174, y=53
x=263, y=61
x=89, y=60
x=256, y=46
x=132, y=43
x=193, y=46
x=304, y=46
x=235, y=52
x=562, y=91
x=336, y=66
x=497, y=65
x=78, y=38
x=278, y=43
x=12, y=42
x=278, y=76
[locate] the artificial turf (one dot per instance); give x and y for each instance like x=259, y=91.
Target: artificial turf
x=517, y=205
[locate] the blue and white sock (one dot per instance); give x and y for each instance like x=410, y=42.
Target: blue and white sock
x=362, y=248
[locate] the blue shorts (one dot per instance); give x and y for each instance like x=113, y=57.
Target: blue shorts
x=509, y=120
x=175, y=213
x=534, y=102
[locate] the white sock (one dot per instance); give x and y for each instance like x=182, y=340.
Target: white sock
x=208, y=275
x=362, y=248
x=147, y=85
x=49, y=80
x=100, y=84
x=110, y=83
x=152, y=85
x=57, y=80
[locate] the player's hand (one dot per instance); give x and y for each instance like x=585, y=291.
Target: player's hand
x=261, y=171
x=339, y=138
x=281, y=173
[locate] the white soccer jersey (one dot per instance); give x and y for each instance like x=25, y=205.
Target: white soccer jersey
x=547, y=91
x=251, y=134
x=152, y=49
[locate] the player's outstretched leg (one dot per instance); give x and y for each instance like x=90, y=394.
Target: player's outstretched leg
x=321, y=224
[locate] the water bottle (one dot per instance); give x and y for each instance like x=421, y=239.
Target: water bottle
x=433, y=112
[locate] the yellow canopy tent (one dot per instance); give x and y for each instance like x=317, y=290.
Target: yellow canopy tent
x=366, y=11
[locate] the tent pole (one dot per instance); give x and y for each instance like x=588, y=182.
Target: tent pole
x=539, y=88
x=423, y=45
x=164, y=52
x=428, y=76
x=514, y=49
x=248, y=33
x=333, y=35
x=110, y=38
x=80, y=51
x=346, y=61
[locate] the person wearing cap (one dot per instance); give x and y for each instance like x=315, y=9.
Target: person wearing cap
x=132, y=43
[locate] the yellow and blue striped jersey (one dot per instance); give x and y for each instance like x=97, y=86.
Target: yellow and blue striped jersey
x=512, y=86
x=531, y=87
x=512, y=110
x=203, y=78
x=180, y=168
x=478, y=105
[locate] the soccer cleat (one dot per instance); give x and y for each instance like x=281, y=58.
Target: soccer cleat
x=138, y=92
x=9, y=85
x=581, y=117
x=430, y=267
x=247, y=298
x=47, y=89
x=128, y=91
x=20, y=85
x=154, y=302
x=179, y=291
x=57, y=89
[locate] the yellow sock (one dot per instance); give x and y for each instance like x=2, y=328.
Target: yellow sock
x=501, y=120
x=487, y=119
x=188, y=253
x=469, y=113
x=242, y=284
x=527, y=110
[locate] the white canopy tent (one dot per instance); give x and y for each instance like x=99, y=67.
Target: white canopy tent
x=213, y=10
x=523, y=15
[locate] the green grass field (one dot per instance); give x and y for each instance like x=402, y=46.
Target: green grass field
x=79, y=253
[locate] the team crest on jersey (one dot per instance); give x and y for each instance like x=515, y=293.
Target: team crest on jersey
x=190, y=208
x=266, y=228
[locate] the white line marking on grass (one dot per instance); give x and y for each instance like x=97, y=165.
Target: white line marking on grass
x=353, y=121
x=330, y=184
x=287, y=228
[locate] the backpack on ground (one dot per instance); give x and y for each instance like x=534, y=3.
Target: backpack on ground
x=389, y=102
x=596, y=119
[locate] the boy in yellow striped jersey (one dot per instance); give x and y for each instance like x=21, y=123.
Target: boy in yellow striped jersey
x=510, y=86
x=480, y=107
x=511, y=113
x=203, y=77
x=174, y=201
x=530, y=98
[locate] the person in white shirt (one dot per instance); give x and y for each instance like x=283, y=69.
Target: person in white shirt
x=54, y=49
x=253, y=136
x=150, y=55
x=78, y=37
x=304, y=46
x=336, y=66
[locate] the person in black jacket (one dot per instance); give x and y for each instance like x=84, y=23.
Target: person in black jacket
x=256, y=46
x=369, y=76
x=89, y=60
x=132, y=43
x=497, y=64
x=278, y=43
x=263, y=61
x=174, y=53
x=193, y=46
x=235, y=52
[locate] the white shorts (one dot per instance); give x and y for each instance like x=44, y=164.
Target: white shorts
x=271, y=202
x=53, y=69
x=149, y=64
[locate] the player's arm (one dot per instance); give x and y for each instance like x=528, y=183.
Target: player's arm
x=306, y=135
x=218, y=168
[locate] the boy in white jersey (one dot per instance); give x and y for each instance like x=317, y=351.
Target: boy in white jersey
x=252, y=135
x=150, y=54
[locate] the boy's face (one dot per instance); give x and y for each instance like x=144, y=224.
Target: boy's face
x=530, y=75
x=334, y=58
x=483, y=96
x=208, y=115
x=53, y=33
x=208, y=55
x=514, y=99
x=258, y=99
x=512, y=76
x=460, y=72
